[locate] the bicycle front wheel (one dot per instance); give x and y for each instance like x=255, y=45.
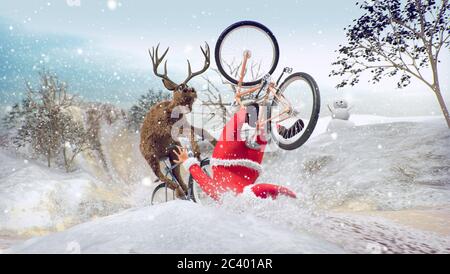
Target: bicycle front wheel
x=294, y=111
x=242, y=36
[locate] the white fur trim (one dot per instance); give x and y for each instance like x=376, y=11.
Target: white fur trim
x=190, y=162
x=237, y=162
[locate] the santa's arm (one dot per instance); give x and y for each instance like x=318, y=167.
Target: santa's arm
x=207, y=184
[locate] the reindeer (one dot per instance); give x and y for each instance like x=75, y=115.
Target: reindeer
x=157, y=141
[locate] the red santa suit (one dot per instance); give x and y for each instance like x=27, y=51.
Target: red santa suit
x=234, y=165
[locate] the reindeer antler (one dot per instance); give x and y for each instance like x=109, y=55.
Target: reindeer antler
x=156, y=61
x=191, y=75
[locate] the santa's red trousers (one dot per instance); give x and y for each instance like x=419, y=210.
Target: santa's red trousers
x=234, y=165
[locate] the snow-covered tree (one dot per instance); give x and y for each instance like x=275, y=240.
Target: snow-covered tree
x=47, y=125
x=12, y=117
x=397, y=37
x=137, y=112
x=74, y=140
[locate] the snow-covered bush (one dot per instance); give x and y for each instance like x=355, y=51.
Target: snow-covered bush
x=45, y=124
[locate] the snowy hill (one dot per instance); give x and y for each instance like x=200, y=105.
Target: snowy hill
x=386, y=166
x=177, y=227
x=35, y=199
x=381, y=187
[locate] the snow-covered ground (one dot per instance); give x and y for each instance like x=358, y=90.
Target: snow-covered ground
x=381, y=186
x=178, y=227
x=35, y=199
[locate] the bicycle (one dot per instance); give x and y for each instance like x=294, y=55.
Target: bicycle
x=299, y=89
x=163, y=193
x=292, y=107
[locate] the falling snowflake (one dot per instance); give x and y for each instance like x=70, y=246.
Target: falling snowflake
x=71, y=3
x=146, y=181
x=113, y=4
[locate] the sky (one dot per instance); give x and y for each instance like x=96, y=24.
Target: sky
x=99, y=47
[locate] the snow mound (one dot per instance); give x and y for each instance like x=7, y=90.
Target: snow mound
x=337, y=125
x=390, y=166
x=367, y=119
x=177, y=227
x=35, y=199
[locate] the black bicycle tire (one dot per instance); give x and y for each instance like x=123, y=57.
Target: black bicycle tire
x=158, y=187
x=203, y=163
x=314, y=115
x=233, y=27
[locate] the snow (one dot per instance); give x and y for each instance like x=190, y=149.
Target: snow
x=366, y=119
x=177, y=227
x=381, y=186
x=407, y=159
x=35, y=200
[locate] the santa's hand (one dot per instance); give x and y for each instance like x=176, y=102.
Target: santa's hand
x=182, y=155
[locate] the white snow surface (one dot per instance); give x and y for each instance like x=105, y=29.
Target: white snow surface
x=177, y=227
x=35, y=199
x=341, y=177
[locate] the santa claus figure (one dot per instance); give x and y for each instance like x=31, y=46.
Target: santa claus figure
x=236, y=165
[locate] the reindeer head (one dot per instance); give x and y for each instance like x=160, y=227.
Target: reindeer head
x=182, y=93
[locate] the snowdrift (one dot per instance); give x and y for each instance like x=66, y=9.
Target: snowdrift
x=177, y=227
x=35, y=199
x=391, y=166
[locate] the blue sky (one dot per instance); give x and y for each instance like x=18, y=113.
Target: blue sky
x=100, y=47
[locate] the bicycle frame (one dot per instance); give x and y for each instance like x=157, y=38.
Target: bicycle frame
x=271, y=92
x=168, y=171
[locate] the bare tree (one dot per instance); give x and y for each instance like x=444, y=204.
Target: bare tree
x=43, y=116
x=214, y=95
x=215, y=102
x=394, y=37
x=47, y=124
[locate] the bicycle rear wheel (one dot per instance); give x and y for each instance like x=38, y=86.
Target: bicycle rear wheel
x=291, y=130
x=162, y=194
x=241, y=36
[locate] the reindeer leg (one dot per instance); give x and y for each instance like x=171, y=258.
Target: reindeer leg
x=154, y=164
